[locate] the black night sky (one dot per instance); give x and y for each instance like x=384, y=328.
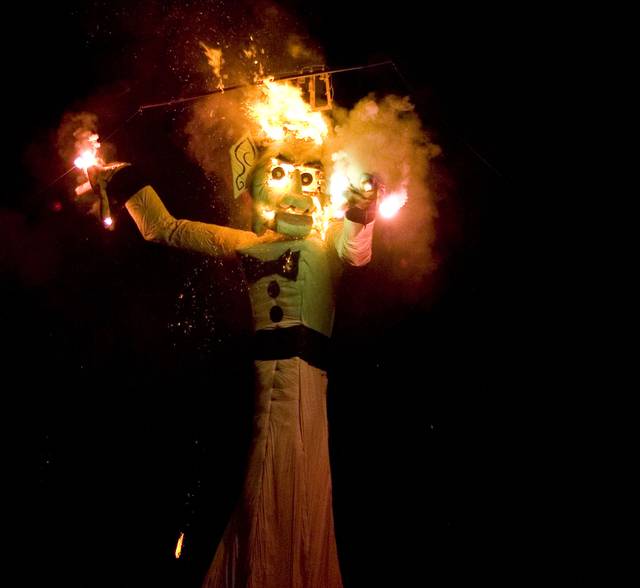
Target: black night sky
x=123, y=427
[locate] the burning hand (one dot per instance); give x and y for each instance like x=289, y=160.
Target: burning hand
x=99, y=186
x=366, y=195
x=100, y=176
x=91, y=165
x=94, y=191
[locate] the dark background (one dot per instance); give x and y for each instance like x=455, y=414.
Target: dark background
x=127, y=396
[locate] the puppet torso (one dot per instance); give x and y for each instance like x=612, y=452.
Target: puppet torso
x=309, y=300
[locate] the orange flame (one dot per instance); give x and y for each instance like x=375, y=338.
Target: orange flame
x=88, y=154
x=322, y=217
x=215, y=60
x=283, y=114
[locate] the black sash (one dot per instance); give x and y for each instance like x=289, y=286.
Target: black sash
x=298, y=341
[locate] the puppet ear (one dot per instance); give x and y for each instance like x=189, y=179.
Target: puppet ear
x=244, y=155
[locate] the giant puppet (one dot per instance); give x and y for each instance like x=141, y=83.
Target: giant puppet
x=282, y=533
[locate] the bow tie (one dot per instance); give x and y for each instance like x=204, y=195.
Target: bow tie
x=286, y=265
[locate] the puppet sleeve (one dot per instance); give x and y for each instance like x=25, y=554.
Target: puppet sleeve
x=353, y=242
x=156, y=224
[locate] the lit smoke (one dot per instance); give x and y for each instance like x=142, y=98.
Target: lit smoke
x=74, y=132
x=385, y=138
x=77, y=133
x=215, y=60
x=299, y=50
x=219, y=121
x=77, y=141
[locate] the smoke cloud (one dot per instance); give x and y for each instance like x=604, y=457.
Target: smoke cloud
x=381, y=135
x=243, y=56
x=385, y=138
x=74, y=132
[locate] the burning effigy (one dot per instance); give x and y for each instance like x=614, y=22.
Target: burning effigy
x=317, y=177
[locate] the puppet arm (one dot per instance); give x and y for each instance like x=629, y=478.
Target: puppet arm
x=354, y=241
x=156, y=224
x=154, y=221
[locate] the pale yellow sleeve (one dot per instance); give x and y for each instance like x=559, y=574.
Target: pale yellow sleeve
x=353, y=241
x=156, y=224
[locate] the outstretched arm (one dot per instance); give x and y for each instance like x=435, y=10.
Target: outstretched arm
x=125, y=183
x=156, y=224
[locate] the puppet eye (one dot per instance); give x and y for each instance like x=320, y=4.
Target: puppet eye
x=277, y=173
x=306, y=179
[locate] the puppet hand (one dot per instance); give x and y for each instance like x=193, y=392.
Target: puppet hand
x=366, y=195
x=99, y=177
x=363, y=200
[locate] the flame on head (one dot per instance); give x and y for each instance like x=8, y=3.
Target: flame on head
x=282, y=114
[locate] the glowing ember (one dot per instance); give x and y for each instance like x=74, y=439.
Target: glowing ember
x=108, y=221
x=267, y=214
x=179, y=545
x=282, y=114
x=391, y=204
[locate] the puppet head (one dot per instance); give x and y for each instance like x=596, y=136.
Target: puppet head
x=280, y=165
x=287, y=189
x=282, y=169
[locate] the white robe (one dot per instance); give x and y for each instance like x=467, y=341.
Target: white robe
x=281, y=534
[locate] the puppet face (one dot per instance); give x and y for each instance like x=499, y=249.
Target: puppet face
x=285, y=193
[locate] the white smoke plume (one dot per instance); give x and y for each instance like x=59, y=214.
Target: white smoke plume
x=74, y=132
x=386, y=138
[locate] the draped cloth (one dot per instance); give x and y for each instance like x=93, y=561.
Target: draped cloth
x=281, y=534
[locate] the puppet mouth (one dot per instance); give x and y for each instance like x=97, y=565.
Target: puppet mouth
x=295, y=217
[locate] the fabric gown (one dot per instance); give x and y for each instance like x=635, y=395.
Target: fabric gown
x=281, y=533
